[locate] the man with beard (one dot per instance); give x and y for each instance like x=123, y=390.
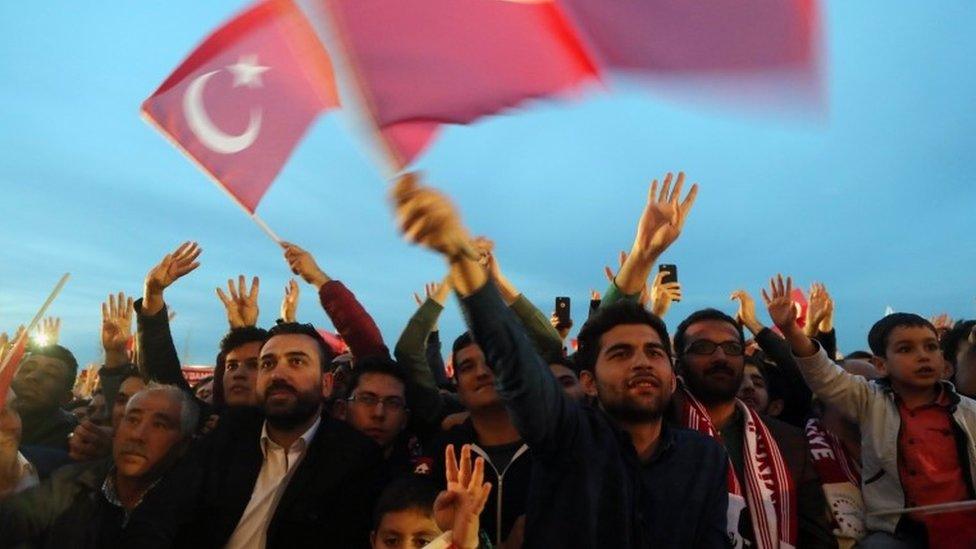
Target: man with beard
x=710, y=347
x=93, y=504
x=286, y=474
x=625, y=478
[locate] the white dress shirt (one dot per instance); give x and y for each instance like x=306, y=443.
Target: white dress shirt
x=276, y=471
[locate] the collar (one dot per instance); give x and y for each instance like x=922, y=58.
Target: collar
x=945, y=398
x=112, y=495
x=300, y=445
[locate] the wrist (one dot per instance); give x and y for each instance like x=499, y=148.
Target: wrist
x=753, y=325
x=115, y=357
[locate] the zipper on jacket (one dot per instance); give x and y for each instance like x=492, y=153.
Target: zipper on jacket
x=501, y=481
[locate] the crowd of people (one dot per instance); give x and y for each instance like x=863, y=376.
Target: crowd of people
x=636, y=436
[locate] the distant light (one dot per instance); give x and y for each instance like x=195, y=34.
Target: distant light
x=41, y=340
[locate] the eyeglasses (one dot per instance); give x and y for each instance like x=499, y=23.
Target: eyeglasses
x=704, y=347
x=369, y=400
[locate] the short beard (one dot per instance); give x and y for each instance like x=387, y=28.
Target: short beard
x=306, y=406
x=625, y=411
x=709, y=395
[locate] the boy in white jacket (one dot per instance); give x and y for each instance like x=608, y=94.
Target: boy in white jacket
x=917, y=433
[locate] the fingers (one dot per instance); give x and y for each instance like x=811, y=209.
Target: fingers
x=228, y=303
x=253, y=295
x=609, y=273
x=622, y=258
x=658, y=278
x=677, y=188
x=241, y=287
x=450, y=464
x=232, y=290
x=464, y=473
x=416, y=297
x=765, y=297
x=663, y=197
x=689, y=201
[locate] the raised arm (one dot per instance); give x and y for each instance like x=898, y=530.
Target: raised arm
x=659, y=226
x=847, y=392
x=820, y=319
x=157, y=353
x=546, y=418
x=349, y=317
x=411, y=353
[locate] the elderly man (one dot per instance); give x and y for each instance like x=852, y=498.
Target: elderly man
x=90, y=504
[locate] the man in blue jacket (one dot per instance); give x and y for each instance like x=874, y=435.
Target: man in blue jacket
x=626, y=478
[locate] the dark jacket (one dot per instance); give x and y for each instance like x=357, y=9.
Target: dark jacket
x=588, y=487
x=50, y=429
x=67, y=510
x=328, y=501
x=509, y=485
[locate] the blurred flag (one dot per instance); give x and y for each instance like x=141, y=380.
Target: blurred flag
x=756, y=49
x=239, y=104
x=9, y=363
x=423, y=63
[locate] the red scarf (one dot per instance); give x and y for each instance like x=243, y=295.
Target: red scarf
x=770, y=493
x=841, y=479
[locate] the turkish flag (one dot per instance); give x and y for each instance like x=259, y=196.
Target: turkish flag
x=757, y=49
x=240, y=103
x=10, y=363
x=423, y=63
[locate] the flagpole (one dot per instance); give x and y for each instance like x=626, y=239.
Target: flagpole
x=353, y=98
x=213, y=178
x=928, y=509
x=40, y=313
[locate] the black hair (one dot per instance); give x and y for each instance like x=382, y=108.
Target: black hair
x=375, y=365
x=242, y=336
x=59, y=353
x=701, y=316
x=294, y=328
x=607, y=318
x=776, y=382
x=567, y=362
x=954, y=337
x=878, y=336
x=407, y=492
x=858, y=355
x=462, y=341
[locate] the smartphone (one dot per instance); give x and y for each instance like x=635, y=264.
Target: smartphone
x=672, y=273
x=562, y=312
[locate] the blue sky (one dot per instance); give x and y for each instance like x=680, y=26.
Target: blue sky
x=875, y=198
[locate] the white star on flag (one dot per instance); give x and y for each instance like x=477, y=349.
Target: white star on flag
x=247, y=72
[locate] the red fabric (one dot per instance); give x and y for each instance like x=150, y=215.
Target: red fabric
x=421, y=63
x=11, y=362
x=351, y=320
x=931, y=472
x=755, y=51
x=242, y=130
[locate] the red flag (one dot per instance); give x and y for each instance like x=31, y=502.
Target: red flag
x=11, y=361
x=748, y=47
x=242, y=100
x=422, y=63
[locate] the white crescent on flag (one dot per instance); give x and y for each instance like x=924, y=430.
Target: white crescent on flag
x=246, y=72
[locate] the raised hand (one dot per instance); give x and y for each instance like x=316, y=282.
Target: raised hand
x=428, y=218
x=943, y=324
x=663, y=217
x=174, y=266
x=289, y=303
x=779, y=303
x=242, y=305
x=48, y=331
x=7, y=343
x=746, y=314
x=817, y=308
x=303, y=264
x=90, y=442
x=116, y=328
x=662, y=295
x=459, y=507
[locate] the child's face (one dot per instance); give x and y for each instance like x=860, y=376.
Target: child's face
x=913, y=358
x=410, y=528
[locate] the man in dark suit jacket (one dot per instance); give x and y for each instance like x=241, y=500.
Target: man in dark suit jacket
x=284, y=475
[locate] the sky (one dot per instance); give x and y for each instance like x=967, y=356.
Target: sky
x=874, y=197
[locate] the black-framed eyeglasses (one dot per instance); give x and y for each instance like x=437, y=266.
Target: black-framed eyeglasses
x=704, y=347
x=392, y=403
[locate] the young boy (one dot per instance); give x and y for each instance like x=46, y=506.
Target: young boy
x=411, y=514
x=917, y=433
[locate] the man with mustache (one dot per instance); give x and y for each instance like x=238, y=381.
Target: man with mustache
x=625, y=478
x=93, y=504
x=286, y=474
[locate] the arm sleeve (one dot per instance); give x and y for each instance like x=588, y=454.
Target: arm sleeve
x=540, y=331
x=29, y=514
x=410, y=352
x=714, y=521
x=544, y=415
x=351, y=320
x=613, y=295
x=828, y=340
x=848, y=393
x=798, y=395
x=157, y=353
x=435, y=360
